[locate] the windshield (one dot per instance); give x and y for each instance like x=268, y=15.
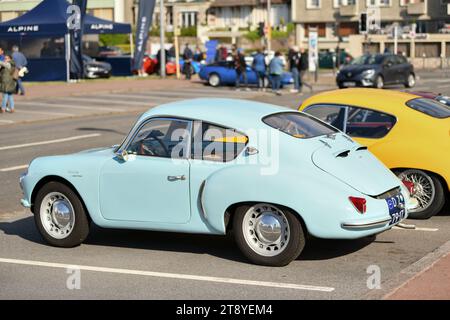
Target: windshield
x=430, y=107
x=298, y=125
x=368, y=59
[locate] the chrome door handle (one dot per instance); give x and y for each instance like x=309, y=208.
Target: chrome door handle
x=176, y=178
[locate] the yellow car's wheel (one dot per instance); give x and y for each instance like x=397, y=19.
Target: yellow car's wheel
x=428, y=191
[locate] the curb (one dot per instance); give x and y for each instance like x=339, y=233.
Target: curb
x=389, y=287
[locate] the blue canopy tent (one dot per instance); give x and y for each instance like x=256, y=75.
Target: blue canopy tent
x=44, y=32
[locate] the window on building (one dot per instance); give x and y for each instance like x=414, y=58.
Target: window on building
x=378, y=3
x=406, y=2
x=188, y=19
x=321, y=29
x=313, y=4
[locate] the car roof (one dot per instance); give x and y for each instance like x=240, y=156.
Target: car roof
x=233, y=113
x=388, y=101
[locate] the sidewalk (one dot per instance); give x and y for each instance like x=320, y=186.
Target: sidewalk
x=62, y=89
x=432, y=284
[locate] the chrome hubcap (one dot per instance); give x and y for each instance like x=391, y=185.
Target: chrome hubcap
x=214, y=80
x=266, y=230
x=57, y=215
x=424, y=190
x=411, y=81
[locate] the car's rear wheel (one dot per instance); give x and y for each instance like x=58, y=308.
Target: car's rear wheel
x=428, y=190
x=410, y=81
x=268, y=235
x=214, y=80
x=60, y=216
x=379, y=82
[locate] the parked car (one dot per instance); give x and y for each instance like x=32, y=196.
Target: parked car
x=434, y=96
x=326, y=59
x=96, y=69
x=377, y=70
x=223, y=73
x=409, y=133
x=199, y=166
x=110, y=51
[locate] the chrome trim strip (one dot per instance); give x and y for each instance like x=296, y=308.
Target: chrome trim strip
x=364, y=225
x=200, y=195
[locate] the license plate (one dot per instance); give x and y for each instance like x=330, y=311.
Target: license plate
x=397, y=209
x=349, y=84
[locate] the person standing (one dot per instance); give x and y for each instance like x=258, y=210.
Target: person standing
x=8, y=83
x=241, y=70
x=188, y=55
x=2, y=54
x=260, y=67
x=294, y=64
x=276, y=70
x=21, y=62
x=303, y=68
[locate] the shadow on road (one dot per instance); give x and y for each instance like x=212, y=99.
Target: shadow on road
x=219, y=246
x=102, y=130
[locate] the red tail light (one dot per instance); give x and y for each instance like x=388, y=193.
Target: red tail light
x=359, y=203
x=410, y=186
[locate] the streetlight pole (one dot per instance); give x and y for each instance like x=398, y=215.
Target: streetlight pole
x=269, y=25
x=162, y=28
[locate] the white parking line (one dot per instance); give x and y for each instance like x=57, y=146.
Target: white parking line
x=6, y=121
x=418, y=229
x=115, y=101
x=45, y=112
x=17, y=146
x=14, y=168
x=169, y=275
x=65, y=106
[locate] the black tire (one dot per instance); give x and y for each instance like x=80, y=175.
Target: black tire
x=293, y=248
x=80, y=229
x=379, y=82
x=214, y=80
x=439, y=196
x=410, y=82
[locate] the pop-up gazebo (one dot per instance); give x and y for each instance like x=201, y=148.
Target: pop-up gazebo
x=42, y=33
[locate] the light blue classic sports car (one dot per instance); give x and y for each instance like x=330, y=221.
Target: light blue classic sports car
x=270, y=174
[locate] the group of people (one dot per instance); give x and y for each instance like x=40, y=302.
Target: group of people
x=12, y=69
x=271, y=70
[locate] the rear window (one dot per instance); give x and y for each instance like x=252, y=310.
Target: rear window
x=298, y=125
x=430, y=107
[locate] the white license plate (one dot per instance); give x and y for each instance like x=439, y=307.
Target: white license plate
x=349, y=84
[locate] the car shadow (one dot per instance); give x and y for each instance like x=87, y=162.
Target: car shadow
x=222, y=247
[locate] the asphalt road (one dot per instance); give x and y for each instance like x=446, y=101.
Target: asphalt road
x=120, y=264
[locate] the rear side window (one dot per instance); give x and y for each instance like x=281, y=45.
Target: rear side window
x=216, y=143
x=430, y=107
x=298, y=125
x=356, y=122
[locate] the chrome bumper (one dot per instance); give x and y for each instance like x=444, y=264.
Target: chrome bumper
x=366, y=224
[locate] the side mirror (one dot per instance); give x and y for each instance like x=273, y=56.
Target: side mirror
x=122, y=155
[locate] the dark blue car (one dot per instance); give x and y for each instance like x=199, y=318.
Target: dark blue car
x=223, y=73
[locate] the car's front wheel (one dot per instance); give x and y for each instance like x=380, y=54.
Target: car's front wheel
x=268, y=235
x=214, y=80
x=60, y=216
x=428, y=191
x=379, y=82
x=410, y=81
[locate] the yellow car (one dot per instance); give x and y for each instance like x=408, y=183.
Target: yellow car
x=410, y=134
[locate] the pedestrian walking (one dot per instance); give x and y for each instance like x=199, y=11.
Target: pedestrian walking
x=294, y=64
x=276, y=67
x=21, y=65
x=241, y=70
x=188, y=55
x=8, y=83
x=303, y=68
x=260, y=68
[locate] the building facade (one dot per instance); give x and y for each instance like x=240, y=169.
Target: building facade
x=338, y=23
x=116, y=10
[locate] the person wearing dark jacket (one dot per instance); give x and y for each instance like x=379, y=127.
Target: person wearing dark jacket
x=188, y=55
x=8, y=83
x=241, y=69
x=303, y=68
x=294, y=67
